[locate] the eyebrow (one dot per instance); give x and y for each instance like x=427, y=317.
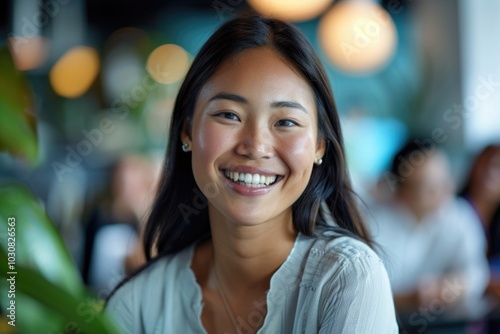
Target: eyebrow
x=230, y=97
x=242, y=100
x=288, y=104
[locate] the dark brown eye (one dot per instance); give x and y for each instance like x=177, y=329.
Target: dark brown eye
x=286, y=123
x=228, y=115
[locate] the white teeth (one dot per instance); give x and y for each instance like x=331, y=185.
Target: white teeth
x=251, y=180
x=270, y=179
x=248, y=178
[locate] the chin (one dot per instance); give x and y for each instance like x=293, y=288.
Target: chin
x=247, y=220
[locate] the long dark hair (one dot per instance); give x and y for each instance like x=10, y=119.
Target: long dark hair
x=179, y=215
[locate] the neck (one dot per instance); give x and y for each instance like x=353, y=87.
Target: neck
x=245, y=257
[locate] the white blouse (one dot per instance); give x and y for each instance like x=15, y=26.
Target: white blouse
x=326, y=285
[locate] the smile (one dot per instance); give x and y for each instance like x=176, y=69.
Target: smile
x=250, y=180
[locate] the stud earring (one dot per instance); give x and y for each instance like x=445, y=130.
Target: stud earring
x=319, y=161
x=185, y=147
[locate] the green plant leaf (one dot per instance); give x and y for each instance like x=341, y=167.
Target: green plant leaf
x=38, y=243
x=50, y=294
x=17, y=121
x=79, y=313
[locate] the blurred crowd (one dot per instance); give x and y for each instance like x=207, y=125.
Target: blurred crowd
x=439, y=242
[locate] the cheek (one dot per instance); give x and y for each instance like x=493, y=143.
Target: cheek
x=300, y=153
x=206, y=140
x=209, y=142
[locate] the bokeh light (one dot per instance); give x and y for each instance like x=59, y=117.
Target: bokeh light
x=29, y=52
x=358, y=36
x=168, y=63
x=124, y=55
x=290, y=10
x=75, y=71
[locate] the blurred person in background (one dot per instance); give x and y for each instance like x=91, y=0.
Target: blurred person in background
x=431, y=241
x=482, y=191
x=124, y=207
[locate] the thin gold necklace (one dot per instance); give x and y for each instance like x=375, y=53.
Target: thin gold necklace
x=222, y=295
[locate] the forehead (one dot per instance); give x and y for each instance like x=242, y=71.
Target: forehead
x=259, y=74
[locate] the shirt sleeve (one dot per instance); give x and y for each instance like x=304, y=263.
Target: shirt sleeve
x=360, y=300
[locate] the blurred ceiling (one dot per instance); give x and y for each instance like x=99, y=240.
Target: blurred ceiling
x=5, y=13
x=107, y=16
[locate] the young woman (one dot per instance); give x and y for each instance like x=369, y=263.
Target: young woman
x=255, y=225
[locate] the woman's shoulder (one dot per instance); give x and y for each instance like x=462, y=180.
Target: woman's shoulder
x=344, y=255
x=346, y=271
x=339, y=245
x=126, y=303
x=168, y=264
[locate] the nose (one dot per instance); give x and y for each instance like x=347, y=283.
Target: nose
x=254, y=143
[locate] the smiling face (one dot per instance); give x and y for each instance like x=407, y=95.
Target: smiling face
x=254, y=138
